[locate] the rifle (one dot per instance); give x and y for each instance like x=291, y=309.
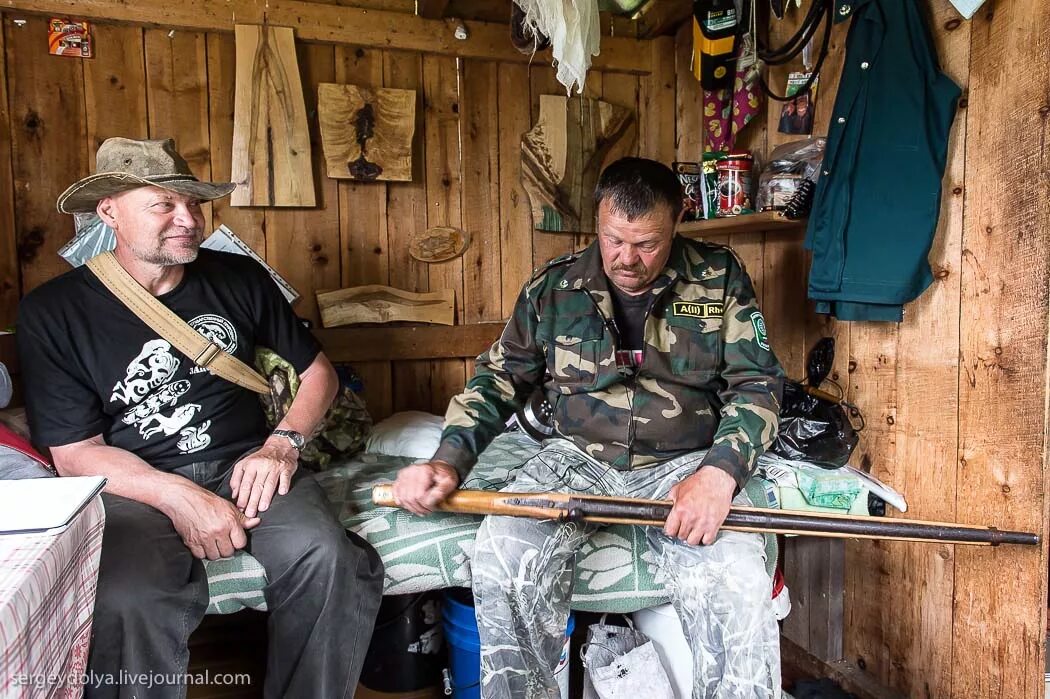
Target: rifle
x=570, y=507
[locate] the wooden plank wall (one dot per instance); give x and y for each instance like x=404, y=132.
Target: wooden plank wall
x=145, y=82
x=954, y=396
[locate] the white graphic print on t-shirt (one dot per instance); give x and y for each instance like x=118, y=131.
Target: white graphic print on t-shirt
x=217, y=329
x=147, y=391
x=195, y=438
x=154, y=365
x=147, y=388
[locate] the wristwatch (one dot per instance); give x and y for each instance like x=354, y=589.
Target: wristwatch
x=298, y=441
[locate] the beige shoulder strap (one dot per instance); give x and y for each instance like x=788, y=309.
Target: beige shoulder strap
x=201, y=351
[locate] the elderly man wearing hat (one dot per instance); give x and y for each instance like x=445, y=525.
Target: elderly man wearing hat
x=193, y=471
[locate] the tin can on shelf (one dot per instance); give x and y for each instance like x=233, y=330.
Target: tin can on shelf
x=734, y=185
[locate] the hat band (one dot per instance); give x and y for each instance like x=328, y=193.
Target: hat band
x=171, y=178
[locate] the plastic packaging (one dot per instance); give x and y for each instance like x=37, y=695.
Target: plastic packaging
x=813, y=429
x=93, y=237
x=827, y=488
x=789, y=165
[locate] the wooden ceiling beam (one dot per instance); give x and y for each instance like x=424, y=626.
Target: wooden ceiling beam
x=431, y=9
x=332, y=24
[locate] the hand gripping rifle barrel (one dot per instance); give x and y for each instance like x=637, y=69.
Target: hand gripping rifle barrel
x=606, y=510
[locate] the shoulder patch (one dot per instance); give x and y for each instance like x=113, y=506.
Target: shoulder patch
x=759, y=324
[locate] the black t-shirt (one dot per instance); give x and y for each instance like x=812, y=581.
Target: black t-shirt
x=92, y=367
x=629, y=317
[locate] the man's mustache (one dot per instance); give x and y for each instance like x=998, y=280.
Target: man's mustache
x=638, y=268
x=181, y=232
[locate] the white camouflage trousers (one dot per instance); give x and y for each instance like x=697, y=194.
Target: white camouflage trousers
x=523, y=571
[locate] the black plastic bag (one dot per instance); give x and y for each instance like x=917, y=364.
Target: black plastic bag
x=813, y=429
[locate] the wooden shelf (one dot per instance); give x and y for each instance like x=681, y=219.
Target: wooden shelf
x=765, y=222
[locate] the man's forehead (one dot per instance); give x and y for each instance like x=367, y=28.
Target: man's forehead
x=655, y=225
x=150, y=194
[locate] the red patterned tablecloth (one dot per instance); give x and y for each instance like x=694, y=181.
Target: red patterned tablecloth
x=47, y=596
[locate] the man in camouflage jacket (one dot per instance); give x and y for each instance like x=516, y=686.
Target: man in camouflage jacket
x=681, y=412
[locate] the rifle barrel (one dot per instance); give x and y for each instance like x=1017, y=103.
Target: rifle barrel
x=606, y=510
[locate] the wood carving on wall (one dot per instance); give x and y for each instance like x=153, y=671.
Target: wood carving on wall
x=375, y=303
x=438, y=244
x=367, y=132
x=563, y=154
x=271, y=135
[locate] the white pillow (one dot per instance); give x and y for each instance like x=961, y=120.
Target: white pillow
x=410, y=433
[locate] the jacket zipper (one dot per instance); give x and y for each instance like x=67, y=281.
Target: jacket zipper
x=631, y=385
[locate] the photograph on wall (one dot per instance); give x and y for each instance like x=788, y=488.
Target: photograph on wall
x=796, y=115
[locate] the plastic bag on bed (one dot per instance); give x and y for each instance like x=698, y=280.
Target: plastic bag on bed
x=813, y=429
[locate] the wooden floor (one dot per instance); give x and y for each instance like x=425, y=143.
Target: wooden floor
x=229, y=644
x=236, y=643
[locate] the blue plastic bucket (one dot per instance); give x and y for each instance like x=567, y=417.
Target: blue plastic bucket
x=464, y=647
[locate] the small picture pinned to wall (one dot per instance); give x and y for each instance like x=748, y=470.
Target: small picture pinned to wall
x=69, y=37
x=796, y=115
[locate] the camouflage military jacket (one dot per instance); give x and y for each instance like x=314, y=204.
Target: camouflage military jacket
x=708, y=379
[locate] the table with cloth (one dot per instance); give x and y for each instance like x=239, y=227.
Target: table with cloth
x=47, y=597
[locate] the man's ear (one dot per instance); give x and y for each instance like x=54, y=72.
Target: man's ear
x=106, y=211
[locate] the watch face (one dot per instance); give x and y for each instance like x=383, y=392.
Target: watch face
x=297, y=440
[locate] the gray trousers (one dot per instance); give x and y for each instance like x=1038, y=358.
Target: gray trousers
x=523, y=571
x=323, y=595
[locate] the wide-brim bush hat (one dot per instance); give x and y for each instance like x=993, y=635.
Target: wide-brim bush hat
x=123, y=164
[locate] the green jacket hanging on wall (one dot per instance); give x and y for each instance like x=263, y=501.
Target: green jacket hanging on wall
x=878, y=197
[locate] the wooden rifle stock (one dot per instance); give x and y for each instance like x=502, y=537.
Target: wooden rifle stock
x=606, y=510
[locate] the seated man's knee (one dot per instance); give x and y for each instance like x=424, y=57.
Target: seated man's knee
x=731, y=569
x=132, y=596
x=509, y=551
x=505, y=537
x=332, y=553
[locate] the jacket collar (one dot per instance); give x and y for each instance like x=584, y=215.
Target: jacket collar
x=586, y=274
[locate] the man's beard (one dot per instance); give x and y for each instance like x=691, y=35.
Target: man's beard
x=167, y=258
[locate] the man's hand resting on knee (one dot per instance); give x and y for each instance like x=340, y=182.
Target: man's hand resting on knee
x=701, y=503
x=257, y=476
x=420, y=487
x=210, y=526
